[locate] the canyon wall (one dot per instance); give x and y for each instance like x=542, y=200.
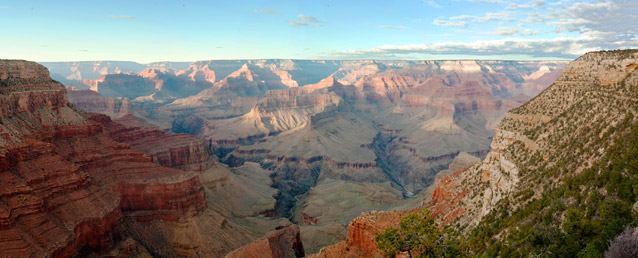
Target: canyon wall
x=67, y=186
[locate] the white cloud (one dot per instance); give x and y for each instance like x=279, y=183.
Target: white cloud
x=461, y=17
x=308, y=18
x=449, y=23
x=537, y=48
x=509, y=31
x=518, y=6
x=494, y=17
x=539, y=3
x=591, y=25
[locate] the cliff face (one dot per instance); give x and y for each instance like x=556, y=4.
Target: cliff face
x=67, y=187
x=181, y=151
x=92, y=101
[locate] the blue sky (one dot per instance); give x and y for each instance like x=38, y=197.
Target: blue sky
x=162, y=30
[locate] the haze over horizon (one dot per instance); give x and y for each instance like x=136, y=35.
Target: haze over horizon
x=144, y=31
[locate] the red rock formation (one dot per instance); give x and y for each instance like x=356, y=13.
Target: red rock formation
x=66, y=186
x=182, y=151
x=92, y=101
x=361, y=233
x=281, y=243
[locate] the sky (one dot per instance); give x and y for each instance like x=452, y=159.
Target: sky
x=178, y=30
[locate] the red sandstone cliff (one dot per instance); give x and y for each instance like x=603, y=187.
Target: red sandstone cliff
x=92, y=101
x=67, y=186
x=182, y=151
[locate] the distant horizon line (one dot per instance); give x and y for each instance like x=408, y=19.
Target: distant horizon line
x=292, y=59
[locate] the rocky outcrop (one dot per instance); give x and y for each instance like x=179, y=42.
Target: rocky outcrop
x=67, y=186
x=92, y=101
x=181, y=151
x=281, y=243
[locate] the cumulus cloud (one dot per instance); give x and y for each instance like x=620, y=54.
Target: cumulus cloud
x=518, y=6
x=509, y=31
x=592, y=25
x=463, y=24
x=606, y=17
x=461, y=17
x=539, y=48
x=449, y=23
x=120, y=17
x=268, y=12
x=538, y=3
x=494, y=17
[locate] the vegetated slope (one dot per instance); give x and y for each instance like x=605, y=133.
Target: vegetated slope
x=566, y=175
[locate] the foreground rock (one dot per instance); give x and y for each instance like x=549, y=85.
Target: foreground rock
x=281, y=243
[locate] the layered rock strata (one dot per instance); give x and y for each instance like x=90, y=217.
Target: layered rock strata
x=67, y=187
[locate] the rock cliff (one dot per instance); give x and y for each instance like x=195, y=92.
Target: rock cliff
x=67, y=186
x=92, y=101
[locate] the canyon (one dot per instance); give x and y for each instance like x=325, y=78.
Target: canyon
x=311, y=142
x=286, y=158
